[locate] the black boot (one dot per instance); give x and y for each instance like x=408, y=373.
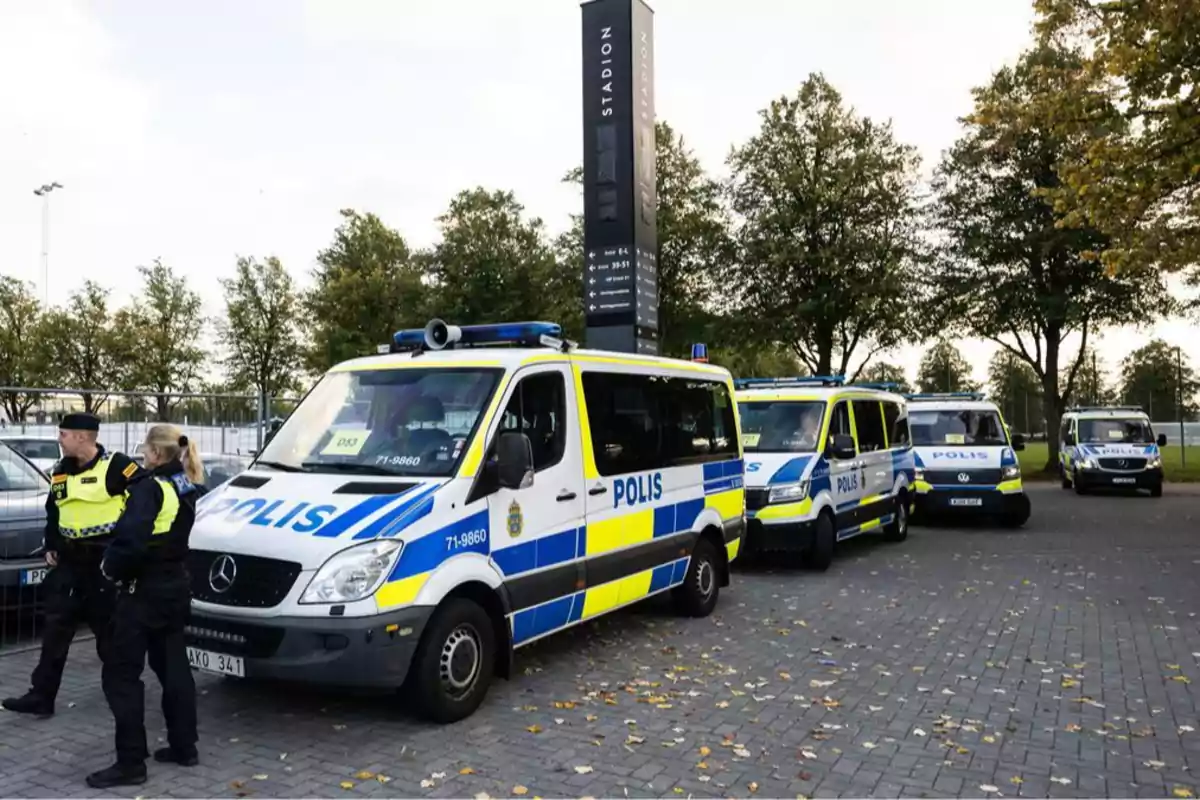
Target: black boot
x=118, y=775
x=184, y=758
x=30, y=703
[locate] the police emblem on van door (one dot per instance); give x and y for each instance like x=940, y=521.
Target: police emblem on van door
x=516, y=522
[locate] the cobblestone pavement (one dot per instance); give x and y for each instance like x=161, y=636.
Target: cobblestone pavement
x=1062, y=660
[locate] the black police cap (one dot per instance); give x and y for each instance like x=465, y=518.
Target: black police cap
x=80, y=421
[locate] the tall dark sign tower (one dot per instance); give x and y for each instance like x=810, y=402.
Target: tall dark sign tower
x=620, y=239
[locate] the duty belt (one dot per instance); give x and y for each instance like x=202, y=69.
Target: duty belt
x=87, y=533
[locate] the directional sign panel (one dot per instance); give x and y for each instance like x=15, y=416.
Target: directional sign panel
x=620, y=282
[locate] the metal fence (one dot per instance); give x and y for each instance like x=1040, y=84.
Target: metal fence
x=229, y=430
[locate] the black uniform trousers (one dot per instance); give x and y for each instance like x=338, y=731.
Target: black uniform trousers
x=148, y=624
x=74, y=591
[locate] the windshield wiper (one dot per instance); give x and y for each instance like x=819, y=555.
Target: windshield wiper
x=279, y=465
x=368, y=469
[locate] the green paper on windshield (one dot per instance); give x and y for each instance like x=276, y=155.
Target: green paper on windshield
x=346, y=443
x=956, y=438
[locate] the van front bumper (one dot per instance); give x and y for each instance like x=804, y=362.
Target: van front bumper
x=372, y=652
x=1103, y=479
x=972, y=501
x=779, y=537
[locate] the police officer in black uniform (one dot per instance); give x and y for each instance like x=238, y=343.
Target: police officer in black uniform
x=146, y=563
x=88, y=489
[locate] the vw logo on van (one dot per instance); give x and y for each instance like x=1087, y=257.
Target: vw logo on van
x=222, y=573
x=964, y=477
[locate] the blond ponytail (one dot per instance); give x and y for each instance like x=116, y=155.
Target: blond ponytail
x=170, y=441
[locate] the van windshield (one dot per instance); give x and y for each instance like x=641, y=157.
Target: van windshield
x=781, y=426
x=1130, y=430
x=951, y=427
x=404, y=421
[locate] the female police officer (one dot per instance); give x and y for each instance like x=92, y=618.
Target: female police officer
x=146, y=562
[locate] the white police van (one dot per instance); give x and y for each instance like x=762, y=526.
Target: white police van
x=824, y=462
x=425, y=511
x=1112, y=447
x=966, y=458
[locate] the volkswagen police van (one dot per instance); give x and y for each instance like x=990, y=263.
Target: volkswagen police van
x=824, y=462
x=966, y=458
x=1111, y=447
x=425, y=511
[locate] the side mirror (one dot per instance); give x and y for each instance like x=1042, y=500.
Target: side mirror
x=1018, y=441
x=514, y=460
x=843, y=447
x=1162, y=440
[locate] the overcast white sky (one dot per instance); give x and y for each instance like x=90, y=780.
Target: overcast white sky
x=196, y=132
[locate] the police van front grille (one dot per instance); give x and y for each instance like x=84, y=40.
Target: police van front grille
x=756, y=499
x=975, y=477
x=1123, y=463
x=256, y=582
x=234, y=638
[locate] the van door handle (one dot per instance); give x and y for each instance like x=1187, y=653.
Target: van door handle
x=595, y=490
x=565, y=496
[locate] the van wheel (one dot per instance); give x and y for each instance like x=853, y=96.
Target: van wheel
x=697, y=596
x=1156, y=491
x=1079, y=488
x=1066, y=482
x=452, y=668
x=824, y=540
x=897, y=529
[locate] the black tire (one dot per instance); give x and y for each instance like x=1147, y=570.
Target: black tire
x=897, y=529
x=824, y=541
x=1017, y=518
x=1156, y=491
x=457, y=623
x=697, y=595
x=1079, y=488
x=1066, y=482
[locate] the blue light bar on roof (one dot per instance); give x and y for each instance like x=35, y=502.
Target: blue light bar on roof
x=528, y=334
x=774, y=383
x=933, y=396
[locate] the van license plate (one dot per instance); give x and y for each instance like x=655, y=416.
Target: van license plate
x=218, y=663
x=966, y=501
x=1124, y=480
x=32, y=577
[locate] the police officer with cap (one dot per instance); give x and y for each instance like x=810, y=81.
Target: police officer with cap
x=145, y=561
x=88, y=489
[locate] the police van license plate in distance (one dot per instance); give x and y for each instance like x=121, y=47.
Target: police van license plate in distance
x=32, y=577
x=966, y=501
x=218, y=663
x=1124, y=480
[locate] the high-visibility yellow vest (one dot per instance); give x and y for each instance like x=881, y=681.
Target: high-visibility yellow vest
x=85, y=508
x=170, y=506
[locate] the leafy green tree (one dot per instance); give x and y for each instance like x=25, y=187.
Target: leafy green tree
x=85, y=347
x=883, y=372
x=167, y=322
x=23, y=359
x=493, y=265
x=1151, y=377
x=1017, y=390
x=260, y=331
x=828, y=203
x=367, y=285
x=1010, y=271
x=693, y=242
x=1133, y=94
x=944, y=369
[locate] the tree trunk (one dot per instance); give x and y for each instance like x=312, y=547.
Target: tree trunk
x=1051, y=404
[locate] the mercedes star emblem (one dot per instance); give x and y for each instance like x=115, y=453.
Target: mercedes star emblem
x=1122, y=463
x=222, y=574
x=964, y=477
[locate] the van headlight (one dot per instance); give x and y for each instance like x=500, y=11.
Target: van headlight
x=1087, y=463
x=354, y=573
x=1154, y=462
x=1010, y=472
x=788, y=492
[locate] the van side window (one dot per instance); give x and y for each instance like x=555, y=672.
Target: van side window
x=839, y=422
x=644, y=422
x=538, y=408
x=897, y=426
x=868, y=419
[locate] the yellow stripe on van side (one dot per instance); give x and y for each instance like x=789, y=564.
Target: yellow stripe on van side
x=402, y=592
x=651, y=361
x=618, y=532
x=728, y=504
x=866, y=501
x=608, y=596
x=800, y=509
x=474, y=456
x=732, y=549
x=585, y=429
x=875, y=523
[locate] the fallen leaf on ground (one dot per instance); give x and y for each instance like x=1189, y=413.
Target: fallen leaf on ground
x=705, y=751
x=918, y=732
x=237, y=784
x=364, y=775
x=534, y=729
x=753, y=787
x=483, y=796
x=702, y=765
x=1016, y=780
x=520, y=791
x=347, y=785
x=466, y=771
x=988, y=788
x=1181, y=678
x=816, y=684
x=809, y=754
x=870, y=745
x=427, y=784
x=635, y=740
x=383, y=778
x=1182, y=791
x=1061, y=781
x=874, y=708
x=583, y=770
x=1073, y=728
x=591, y=718
x=1155, y=764
x=723, y=704
x=989, y=739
